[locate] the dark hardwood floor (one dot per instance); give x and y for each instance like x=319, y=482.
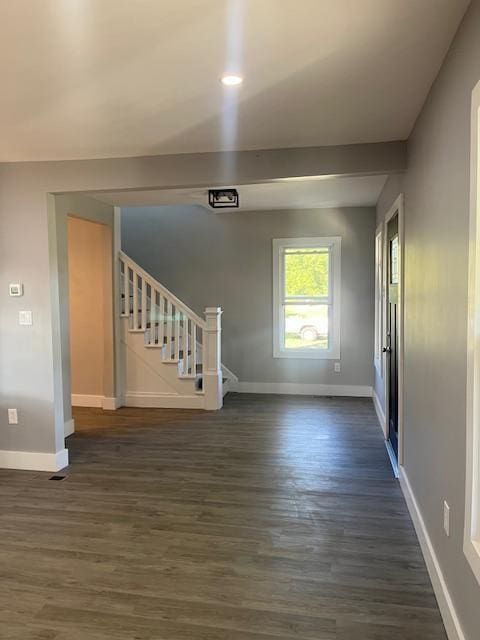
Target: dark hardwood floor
x=277, y=517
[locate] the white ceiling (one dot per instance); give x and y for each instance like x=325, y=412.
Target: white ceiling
x=90, y=78
x=285, y=194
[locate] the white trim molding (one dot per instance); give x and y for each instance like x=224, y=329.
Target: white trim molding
x=471, y=538
x=120, y=374
x=164, y=400
x=378, y=359
x=392, y=458
x=396, y=208
x=69, y=427
x=34, y=460
x=96, y=402
x=296, y=389
x=229, y=375
x=383, y=424
x=380, y=412
x=110, y=404
x=83, y=400
x=332, y=245
x=445, y=602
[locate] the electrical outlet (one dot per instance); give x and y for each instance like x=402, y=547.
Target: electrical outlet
x=446, y=518
x=12, y=416
x=336, y=367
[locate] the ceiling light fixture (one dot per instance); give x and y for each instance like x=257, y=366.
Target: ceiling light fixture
x=231, y=80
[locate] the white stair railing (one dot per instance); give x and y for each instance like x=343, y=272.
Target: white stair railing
x=181, y=335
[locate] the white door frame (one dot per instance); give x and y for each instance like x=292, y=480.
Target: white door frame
x=471, y=539
x=378, y=359
x=117, y=302
x=396, y=208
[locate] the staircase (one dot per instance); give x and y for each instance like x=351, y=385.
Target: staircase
x=171, y=356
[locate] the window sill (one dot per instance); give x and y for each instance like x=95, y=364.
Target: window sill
x=311, y=355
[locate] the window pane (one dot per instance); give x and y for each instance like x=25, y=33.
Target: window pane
x=394, y=260
x=306, y=272
x=306, y=326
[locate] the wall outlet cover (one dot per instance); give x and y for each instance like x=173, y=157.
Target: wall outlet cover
x=12, y=416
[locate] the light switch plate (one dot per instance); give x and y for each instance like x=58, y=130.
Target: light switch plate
x=12, y=416
x=25, y=318
x=15, y=290
x=446, y=518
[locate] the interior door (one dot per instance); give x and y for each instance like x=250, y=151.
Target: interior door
x=391, y=347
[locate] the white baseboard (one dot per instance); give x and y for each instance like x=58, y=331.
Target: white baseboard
x=293, y=388
x=392, y=458
x=163, y=400
x=33, y=460
x=69, y=427
x=110, y=404
x=380, y=412
x=96, y=402
x=82, y=400
x=445, y=603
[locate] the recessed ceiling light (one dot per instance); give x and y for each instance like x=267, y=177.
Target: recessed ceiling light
x=231, y=80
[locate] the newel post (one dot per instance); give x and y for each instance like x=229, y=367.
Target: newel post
x=212, y=367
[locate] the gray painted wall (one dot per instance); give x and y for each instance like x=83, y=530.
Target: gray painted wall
x=225, y=259
x=30, y=358
x=436, y=188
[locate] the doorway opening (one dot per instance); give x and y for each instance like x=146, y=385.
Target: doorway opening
x=90, y=289
x=83, y=242
x=393, y=334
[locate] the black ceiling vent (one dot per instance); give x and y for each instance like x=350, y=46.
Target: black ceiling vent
x=223, y=198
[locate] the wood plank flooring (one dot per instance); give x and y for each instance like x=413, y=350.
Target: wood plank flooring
x=275, y=518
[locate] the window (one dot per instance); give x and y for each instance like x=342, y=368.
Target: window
x=306, y=298
x=378, y=360
x=471, y=541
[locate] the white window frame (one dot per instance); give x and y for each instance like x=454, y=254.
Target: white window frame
x=471, y=540
x=333, y=244
x=379, y=305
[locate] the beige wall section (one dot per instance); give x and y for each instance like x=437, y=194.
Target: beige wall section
x=436, y=188
x=62, y=207
x=90, y=297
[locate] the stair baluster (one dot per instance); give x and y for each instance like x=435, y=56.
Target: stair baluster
x=143, y=304
x=135, y=300
x=153, y=319
x=184, y=339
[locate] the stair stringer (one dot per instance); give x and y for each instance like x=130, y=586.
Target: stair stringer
x=150, y=382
